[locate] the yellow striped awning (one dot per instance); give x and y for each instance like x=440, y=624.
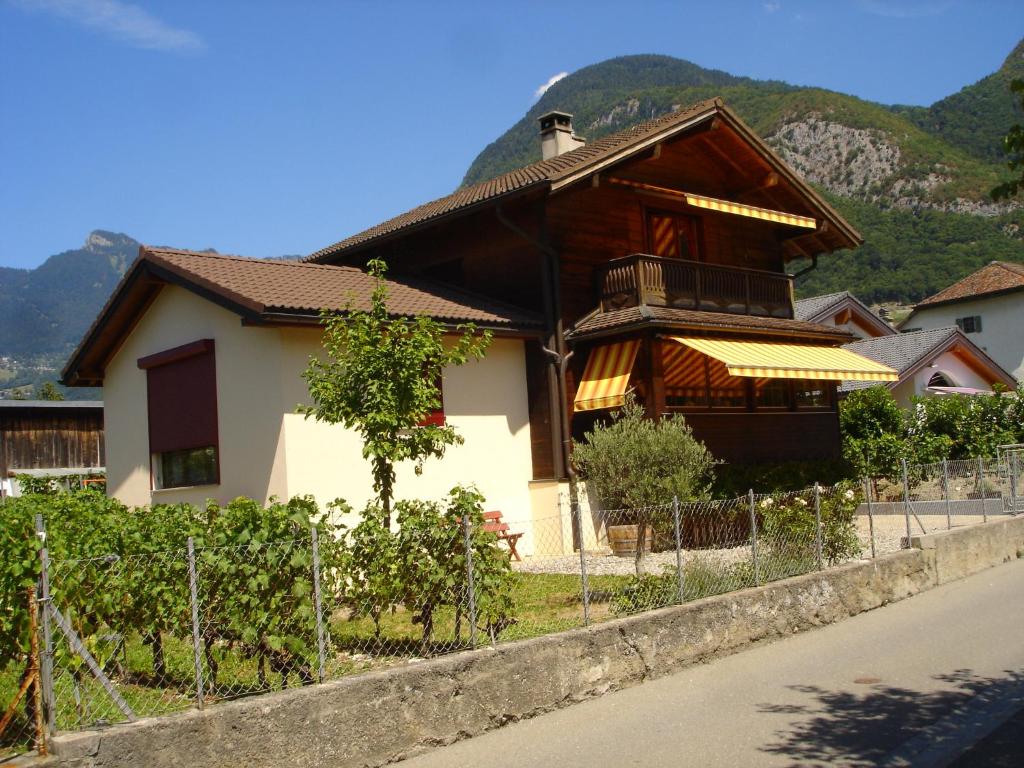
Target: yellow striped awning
x=752, y=211
x=606, y=376
x=770, y=360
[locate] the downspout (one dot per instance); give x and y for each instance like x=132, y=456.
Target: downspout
x=559, y=356
x=792, y=283
x=805, y=270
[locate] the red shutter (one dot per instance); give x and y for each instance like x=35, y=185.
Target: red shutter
x=182, y=397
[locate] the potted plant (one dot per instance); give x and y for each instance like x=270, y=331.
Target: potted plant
x=635, y=466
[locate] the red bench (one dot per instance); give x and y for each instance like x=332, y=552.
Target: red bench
x=493, y=524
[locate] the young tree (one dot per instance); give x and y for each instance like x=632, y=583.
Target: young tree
x=379, y=376
x=48, y=391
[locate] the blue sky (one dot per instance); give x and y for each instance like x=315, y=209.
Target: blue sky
x=268, y=128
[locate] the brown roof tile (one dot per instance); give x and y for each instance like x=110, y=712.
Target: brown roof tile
x=994, y=277
x=600, y=322
x=541, y=172
x=276, y=286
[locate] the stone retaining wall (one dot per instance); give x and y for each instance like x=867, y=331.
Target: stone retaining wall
x=376, y=718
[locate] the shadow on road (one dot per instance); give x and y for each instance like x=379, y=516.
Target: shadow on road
x=855, y=728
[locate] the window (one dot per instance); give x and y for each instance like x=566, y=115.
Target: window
x=812, y=394
x=672, y=235
x=970, y=324
x=181, y=393
x=771, y=393
x=436, y=417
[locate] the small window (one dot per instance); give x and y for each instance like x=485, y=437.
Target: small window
x=436, y=417
x=810, y=395
x=181, y=393
x=970, y=324
x=771, y=393
x=672, y=235
x=180, y=469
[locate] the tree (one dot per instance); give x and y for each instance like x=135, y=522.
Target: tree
x=638, y=464
x=48, y=391
x=1013, y=146
x=380, y=376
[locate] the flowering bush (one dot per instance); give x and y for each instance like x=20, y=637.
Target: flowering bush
x=789, y=528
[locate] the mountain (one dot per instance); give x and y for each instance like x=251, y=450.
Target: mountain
x=45, y=311
x=913, y=180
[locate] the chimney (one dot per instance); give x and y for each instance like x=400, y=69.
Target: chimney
x=556, y=134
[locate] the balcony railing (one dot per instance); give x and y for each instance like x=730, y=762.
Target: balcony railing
x=660, y=282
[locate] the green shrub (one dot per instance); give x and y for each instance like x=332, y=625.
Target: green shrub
x=734, y=480
x=639, y=465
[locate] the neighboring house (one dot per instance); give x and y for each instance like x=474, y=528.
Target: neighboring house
x=936, y=362
x=987, y=305
x=49, y=438
x=652, y=260
x=844, y=311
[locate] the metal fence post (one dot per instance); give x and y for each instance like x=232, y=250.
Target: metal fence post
x=46, y=666
x=906, y=500
x=753, y=538
x=945, y=493
x=817, y=524
x=193, y=587
x=679, y=552
x=584, y=583
x=470, y=588
x=981, y=489
x=871, y=515
x=321, y=645
x=1013, y=481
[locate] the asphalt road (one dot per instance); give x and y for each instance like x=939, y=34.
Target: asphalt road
x=928, y=681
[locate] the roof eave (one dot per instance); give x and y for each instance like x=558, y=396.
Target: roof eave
x=962, y=299
x=319, y=257
x=648, y=323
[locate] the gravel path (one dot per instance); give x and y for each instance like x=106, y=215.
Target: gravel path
x=890, y=530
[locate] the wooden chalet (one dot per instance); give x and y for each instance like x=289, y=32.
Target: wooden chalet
x=658, y=258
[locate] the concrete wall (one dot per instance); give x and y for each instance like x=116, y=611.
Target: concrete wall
x=1002, y=317
x=267, y=449
x=376, y=718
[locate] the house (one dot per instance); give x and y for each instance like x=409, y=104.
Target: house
x=844, y=311
x=653, y=260
x=49, y=438
x=988, y=306
x=935, y=362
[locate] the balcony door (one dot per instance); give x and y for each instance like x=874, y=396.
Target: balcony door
x=673, y=235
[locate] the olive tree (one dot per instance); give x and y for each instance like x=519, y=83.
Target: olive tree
x=636, y=463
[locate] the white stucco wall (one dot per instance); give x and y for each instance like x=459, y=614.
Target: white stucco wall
x=267, y=449
x=958, y=373
x=1002, y=322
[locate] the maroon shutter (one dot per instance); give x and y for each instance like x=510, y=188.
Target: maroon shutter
x=182, y=397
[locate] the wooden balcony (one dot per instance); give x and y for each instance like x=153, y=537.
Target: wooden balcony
x=660, y=282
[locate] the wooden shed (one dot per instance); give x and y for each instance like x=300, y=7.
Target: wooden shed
x=50, y=437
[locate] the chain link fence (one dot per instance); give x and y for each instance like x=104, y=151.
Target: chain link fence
x=128, y=635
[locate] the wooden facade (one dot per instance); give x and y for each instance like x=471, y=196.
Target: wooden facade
x=43, y=435
x=626, y=235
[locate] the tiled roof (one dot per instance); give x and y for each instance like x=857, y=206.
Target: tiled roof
x=994, y=277
x=276, y=286
x=541, y=172
x=805, y=309
x=606, y=321
x=900, y=351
